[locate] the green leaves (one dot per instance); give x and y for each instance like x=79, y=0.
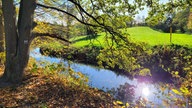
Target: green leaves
x=122, y=56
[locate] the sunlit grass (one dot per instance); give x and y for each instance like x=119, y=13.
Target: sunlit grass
x=140, y=34
x=89, y=40
x=152, y=37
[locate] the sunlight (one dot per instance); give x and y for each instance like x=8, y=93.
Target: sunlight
x=145, y=91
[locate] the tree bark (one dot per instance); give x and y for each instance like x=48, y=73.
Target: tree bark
x=17, y=38
x=10, y=38
x=1, y=31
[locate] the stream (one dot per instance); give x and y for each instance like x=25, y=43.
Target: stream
x=106, y=79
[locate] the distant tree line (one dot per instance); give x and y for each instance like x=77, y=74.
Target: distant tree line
x=180, y=21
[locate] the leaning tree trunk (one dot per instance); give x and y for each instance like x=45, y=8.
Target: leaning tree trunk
x=17, y=38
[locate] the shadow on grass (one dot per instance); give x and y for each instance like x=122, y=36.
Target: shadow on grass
x=88, y=37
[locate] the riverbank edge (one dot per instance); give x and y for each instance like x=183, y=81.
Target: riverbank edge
x=88, y=55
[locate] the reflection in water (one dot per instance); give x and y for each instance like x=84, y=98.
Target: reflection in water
x=145, y=91
x=124, y=93
x=123, y=88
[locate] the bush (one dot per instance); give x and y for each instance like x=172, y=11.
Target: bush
x=165, y=28
x=168, y=58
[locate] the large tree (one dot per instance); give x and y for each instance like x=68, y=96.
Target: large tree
x=102, y=14
x=18, y=28
x=180, y=20
x=17, y=37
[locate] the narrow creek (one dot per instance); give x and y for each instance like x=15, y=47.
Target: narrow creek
x=106, y=79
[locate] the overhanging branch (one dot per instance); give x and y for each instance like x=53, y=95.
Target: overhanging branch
x=102, y=25
x=50, y=35
x=109, y=29
x=60, y=10
x=84, y=11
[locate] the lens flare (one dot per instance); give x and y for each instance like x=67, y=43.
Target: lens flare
x=145, y=91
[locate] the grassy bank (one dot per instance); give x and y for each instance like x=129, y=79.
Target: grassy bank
x=86, y=55
x=161, y=61
x=161, y=58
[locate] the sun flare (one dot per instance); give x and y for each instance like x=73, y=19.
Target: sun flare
x=145, y=91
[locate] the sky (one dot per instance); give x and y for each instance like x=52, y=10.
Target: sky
x=145, y=11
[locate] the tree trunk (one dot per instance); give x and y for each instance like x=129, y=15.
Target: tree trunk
x=17, y=38
x=1, y=31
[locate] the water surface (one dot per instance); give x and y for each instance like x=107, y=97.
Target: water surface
x=105, y=79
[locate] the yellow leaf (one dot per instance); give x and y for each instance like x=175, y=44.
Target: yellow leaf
x=119, y=102
x=114, y=103
x=176, y=73
x=176, y=91
x=127, y=105
x=185, y=90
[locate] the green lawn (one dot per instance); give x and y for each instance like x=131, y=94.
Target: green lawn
x=81, y=41
x=152, y=37
x=143, y=34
